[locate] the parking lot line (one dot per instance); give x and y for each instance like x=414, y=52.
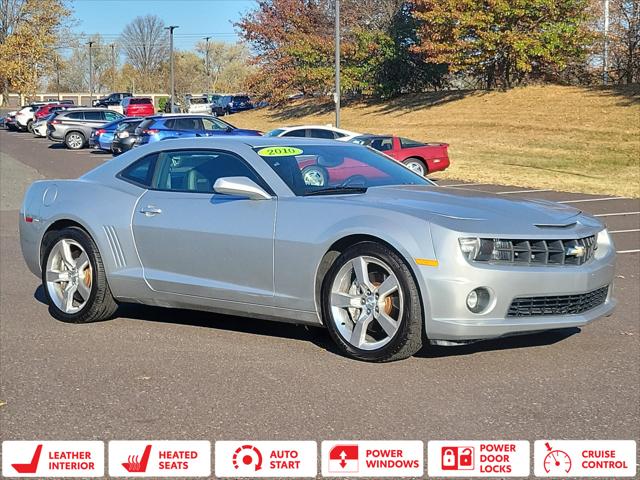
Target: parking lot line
x=629, y=251
x=594, y=199
x=619, y=214
x=523, y=191
x=625, y=231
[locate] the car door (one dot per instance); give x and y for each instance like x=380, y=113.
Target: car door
x=192, y=241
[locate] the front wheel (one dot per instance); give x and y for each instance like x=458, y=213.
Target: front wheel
x=416, y=165
x=371, y=304
x=74, y=140
x=30, y=126
x=74, y=279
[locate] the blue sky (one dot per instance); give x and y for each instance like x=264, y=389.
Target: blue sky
x=196, y=18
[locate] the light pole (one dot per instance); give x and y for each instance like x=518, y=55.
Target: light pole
x=171, y=28
x=206, y=62
x=337, y=93
x=113, y=66
x=605, y=59
x=90, y=43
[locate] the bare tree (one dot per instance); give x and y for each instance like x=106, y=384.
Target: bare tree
x=145, y=43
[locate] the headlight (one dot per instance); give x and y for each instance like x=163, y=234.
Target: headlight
x=481, y=249
x=604, y=239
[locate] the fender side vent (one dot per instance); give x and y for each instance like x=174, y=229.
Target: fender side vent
x=114, y=244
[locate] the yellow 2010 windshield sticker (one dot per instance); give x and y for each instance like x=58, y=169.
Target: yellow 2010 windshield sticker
x=279, y=152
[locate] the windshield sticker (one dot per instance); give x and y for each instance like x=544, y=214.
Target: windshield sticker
x=279, y=152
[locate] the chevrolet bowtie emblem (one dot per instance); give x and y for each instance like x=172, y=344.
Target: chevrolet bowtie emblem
x=576, y=251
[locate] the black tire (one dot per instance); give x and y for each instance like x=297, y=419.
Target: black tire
x=409, y=337
x=417, y=161
x=30, y=126
x=317, y=172
x=101, y=304
x=71, y=144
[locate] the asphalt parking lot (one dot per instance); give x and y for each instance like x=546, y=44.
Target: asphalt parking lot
x=174, y=374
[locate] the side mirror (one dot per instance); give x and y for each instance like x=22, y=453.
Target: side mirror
x=240, y=187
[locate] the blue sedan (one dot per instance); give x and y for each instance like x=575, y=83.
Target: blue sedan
x=102, y=137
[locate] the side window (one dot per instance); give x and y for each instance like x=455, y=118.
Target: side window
x=213, y=124
x=321, y=133
x=141, y=172
x=75, y=116
x=296, y=133
x=382, y=144
x=93, y=115
x=111, y=116
x=187, y=124
x=198, y=170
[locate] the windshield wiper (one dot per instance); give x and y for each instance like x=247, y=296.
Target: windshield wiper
x=336, y=190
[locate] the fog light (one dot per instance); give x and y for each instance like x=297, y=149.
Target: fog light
x=478, y=300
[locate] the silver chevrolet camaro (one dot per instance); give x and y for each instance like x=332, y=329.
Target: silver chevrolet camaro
x=313, y=232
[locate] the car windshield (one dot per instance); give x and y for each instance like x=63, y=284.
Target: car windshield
x=335, y=169
x=140, y=101
x=198, y=101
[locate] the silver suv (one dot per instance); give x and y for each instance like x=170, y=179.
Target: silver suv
x=73, y=127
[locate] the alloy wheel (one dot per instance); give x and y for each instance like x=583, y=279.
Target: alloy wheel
x=69, y=276
x=366, y=303
x=416, y=167
x=75, y=141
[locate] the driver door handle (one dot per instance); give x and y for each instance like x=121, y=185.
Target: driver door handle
x=151, y=211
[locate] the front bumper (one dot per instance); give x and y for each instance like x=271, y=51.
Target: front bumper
x=448, y=286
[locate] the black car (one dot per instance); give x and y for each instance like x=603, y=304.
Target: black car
x=229, y=104
x=111, y=99
x=125, y=137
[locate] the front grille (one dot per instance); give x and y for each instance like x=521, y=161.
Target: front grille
x=557, y=305
x=544, y=252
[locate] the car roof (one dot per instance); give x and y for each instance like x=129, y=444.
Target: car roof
x=250, y=141
x=325, y=127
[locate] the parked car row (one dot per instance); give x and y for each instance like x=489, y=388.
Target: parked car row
x=213, y=104
x=109, y=130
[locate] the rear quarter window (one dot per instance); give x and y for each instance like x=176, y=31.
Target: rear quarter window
x=408, y=143
x=140, y=172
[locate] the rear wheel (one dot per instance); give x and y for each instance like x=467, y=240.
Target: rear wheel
x=315, y=176
x=74, y=279
x=416, y=165
x=371, y=304
x=74, y=140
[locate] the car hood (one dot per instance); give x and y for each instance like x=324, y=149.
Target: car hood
x=479, y=212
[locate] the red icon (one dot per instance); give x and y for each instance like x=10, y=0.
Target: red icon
x=29, y=467
x=134, y=465
x=457, y=458
x=343, y=458
x=556, y=461
x=249, y=455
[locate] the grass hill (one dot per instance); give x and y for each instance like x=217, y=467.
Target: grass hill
x=564, y=138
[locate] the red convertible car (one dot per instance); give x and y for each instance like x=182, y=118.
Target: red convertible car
x=422, y=158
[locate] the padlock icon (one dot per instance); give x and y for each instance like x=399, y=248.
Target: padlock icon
x=449, y=458
x=465, y=459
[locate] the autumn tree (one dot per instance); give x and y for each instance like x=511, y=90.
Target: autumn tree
x=502, y=41
x=294, y=45
x=228, y=66
x=28, y=29
x=74, y=72
x=624, y=41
